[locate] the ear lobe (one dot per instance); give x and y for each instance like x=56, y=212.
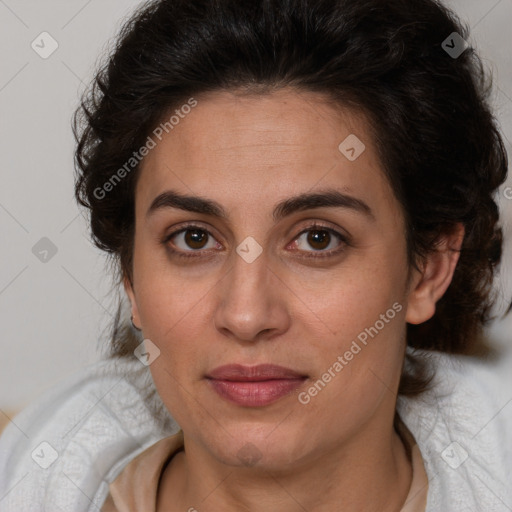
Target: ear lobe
x=429, y=285
x=128, y=288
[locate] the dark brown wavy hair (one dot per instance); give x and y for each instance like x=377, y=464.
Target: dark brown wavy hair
x=438, y=141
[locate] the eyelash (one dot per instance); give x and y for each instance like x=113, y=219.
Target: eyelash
x=309, y=254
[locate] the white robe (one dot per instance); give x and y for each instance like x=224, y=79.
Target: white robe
x=93, y=424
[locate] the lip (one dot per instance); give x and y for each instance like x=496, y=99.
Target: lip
x=240, y=373
x=254, y=386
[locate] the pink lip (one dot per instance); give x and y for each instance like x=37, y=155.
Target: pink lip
x=254, y=386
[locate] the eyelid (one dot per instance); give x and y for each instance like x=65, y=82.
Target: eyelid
x=184, y=226
x=313, y=225
x=180, y=228
x=323, y=225
x=344, y=240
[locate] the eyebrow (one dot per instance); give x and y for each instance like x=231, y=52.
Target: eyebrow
x=329, y=198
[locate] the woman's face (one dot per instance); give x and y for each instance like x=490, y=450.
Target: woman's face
x=261, y=285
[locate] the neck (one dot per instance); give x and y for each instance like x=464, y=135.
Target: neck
x=371, y=473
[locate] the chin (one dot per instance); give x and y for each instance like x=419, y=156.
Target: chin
x=258, y=446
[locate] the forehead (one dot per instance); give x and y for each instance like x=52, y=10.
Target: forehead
x=237, y=147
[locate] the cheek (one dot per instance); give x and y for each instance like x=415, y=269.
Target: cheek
x=175, y=318
x=175, y=321
x=167, y=294
x=354, y=378
x=174, y=389
x=346, y=302
x=363, y=310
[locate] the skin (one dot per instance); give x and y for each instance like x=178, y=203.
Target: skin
x=248, y=153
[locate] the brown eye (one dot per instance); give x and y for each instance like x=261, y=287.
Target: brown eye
x=319, y=239
x=324, y=241
x=190, y=240
x=196, y=238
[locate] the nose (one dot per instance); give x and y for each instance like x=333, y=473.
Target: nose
x=251, y=302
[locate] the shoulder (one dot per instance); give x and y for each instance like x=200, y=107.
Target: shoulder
x=62, y=451
x=463, y=427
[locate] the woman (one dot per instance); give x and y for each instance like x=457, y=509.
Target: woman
x=299, y=199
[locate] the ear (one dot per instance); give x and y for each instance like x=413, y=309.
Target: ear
x=128, y=287
x=430, y=284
